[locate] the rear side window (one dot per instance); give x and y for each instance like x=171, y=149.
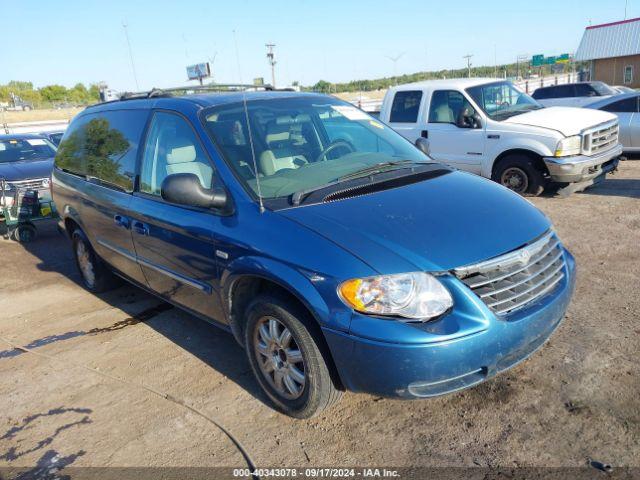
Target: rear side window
x=559, y=91
x=104, y=146
x=628, y=105
x=543, y=93
x=405, y=107
x=563, y=91
x=585, y=90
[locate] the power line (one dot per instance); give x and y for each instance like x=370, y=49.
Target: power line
x=133, y=66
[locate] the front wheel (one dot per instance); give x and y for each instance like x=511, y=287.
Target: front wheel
x=286, y=360
x=519, y=173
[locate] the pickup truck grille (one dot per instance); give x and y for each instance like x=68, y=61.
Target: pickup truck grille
x=33, y=184
x=601, y=138
x=518, y=278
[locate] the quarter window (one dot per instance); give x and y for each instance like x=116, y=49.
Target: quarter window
x=103, y=146
x=405, y=107
x=172, y=147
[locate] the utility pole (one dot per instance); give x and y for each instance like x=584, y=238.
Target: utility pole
x=271, y=58
x=133, y=66
x=235, y=41
x=468, y=58
x=522, y=59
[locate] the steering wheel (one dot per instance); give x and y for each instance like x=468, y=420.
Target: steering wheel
x=333, y=146
x=505, y=104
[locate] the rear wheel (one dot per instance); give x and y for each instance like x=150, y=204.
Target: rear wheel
x=25, y=233
x=286, y=359
x=96, y=276
x=520, y=174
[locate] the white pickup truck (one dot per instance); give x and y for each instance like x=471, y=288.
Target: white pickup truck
x=491, y=128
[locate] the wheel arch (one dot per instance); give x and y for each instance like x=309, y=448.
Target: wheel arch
x=538, y=162
x=242, y=287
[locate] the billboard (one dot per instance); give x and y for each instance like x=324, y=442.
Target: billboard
x=540, y=60
x=198, y=71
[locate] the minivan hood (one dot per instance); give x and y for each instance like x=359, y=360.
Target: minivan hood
x=566, y=120
x=26, y=169
x=435, y=225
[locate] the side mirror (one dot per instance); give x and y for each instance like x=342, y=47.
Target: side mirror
x=468, y=118
x=186, y=189
x=422, y=144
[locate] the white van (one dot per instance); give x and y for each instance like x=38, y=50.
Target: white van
x=491, y=128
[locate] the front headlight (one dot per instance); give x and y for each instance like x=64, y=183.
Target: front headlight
x=415, y=295
x=569, y=146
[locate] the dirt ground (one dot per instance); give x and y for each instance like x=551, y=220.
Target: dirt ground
x=64, y=114
x=123, y=380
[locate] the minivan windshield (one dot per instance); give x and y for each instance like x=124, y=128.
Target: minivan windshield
x=17, y=149
x=501, y=100
x=302, y=143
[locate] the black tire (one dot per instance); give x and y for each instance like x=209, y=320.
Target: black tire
x=102, y=279
x=519, y=173
x=25, y=233
x=318, y=392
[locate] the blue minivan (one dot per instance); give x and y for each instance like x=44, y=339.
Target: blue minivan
x=339, y=255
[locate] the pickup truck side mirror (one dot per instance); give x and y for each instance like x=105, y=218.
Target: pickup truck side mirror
x=468, y=118
x=186, y=189
x=422, y=144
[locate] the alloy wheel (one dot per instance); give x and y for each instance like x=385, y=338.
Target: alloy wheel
x=85, y=264
x=279, y=357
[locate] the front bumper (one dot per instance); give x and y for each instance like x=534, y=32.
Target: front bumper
x=580, y=168
x=464, y=348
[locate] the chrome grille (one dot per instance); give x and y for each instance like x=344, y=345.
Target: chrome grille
x=601, y=138
x=33, y=184
x=518, y=278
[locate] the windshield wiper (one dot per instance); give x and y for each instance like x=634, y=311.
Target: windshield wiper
x=381, y=167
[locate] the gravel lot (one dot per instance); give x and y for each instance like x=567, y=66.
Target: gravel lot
x=124, y=380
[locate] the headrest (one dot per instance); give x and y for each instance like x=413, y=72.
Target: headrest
x=277, y=132
x=184, y=154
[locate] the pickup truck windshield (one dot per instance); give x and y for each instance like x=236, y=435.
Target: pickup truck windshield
x=303, y=142
x=16, y=150
x=501, y=100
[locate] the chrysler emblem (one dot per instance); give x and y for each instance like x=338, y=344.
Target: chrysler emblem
x=525, y=256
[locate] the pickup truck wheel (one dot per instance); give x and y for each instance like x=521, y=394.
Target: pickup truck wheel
x=96, y=276
x=286, y=360
x=518, y=173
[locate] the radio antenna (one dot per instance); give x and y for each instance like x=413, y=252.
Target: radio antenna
x=253, y=151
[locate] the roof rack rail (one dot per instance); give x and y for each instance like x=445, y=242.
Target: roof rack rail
x=218, y=87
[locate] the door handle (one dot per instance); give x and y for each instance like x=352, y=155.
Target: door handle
x=121, y=221
x=140, y=228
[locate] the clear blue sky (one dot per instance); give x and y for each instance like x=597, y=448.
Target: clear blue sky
x=69, y=41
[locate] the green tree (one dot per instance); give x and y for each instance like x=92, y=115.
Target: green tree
x=53, y=93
